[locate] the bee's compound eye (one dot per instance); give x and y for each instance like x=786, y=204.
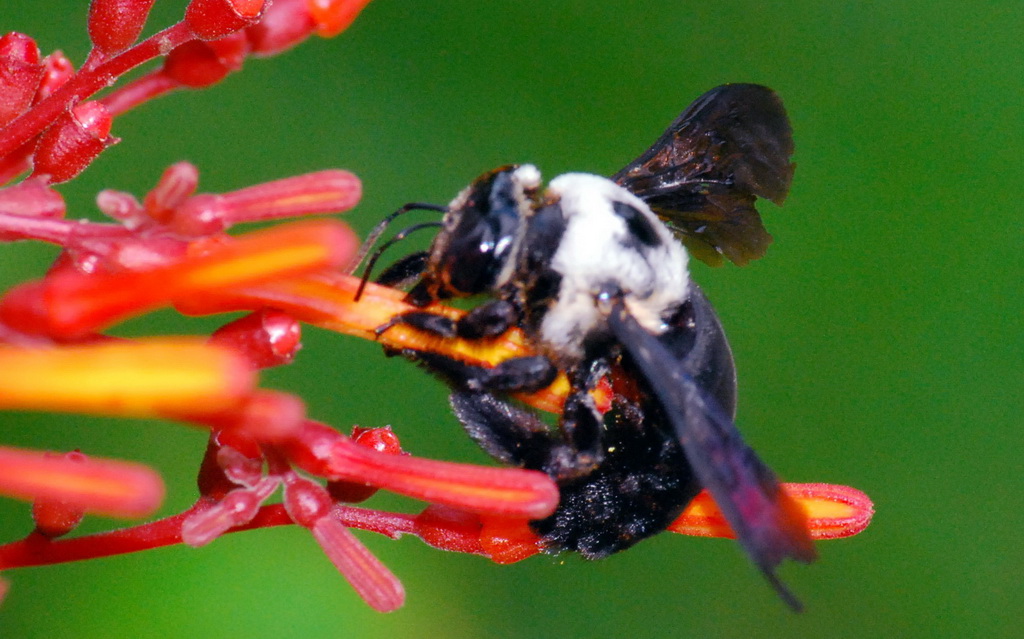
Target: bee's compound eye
x=483, y=234
x=475, y=254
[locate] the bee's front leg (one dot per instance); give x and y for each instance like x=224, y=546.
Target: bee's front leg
x=487, y=320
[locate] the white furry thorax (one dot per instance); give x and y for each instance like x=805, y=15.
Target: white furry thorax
x=596, y=251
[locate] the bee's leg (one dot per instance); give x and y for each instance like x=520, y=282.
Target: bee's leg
x=582, y=424
x=404, y=270
x=487, y=320
x=518, y=374
x=506, y=432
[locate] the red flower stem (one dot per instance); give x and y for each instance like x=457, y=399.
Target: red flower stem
x=86, y=83
x=36, y=550
x=392, y=525
x=93, y=59
x=136, y=92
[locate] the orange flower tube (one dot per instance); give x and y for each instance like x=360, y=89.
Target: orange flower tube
x=145, y=378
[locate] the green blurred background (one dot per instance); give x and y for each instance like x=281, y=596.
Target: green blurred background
x=878, y=345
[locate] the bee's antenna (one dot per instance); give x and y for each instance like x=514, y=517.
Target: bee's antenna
x=382, y=226
x=398, y=237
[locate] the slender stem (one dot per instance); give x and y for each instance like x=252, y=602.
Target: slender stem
x=88, y=82
x=36, y=550
x=134, y=93
x=391, y=525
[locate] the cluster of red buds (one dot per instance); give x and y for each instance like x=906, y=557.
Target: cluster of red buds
x=171, y=249
x=49, y=124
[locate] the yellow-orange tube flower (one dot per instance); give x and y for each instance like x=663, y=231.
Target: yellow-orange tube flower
x=144, y=378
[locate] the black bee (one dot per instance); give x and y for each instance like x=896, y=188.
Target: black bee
x=600, y=286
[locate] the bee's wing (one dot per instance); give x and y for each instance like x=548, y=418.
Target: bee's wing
x=768, y=523
x=702, y=176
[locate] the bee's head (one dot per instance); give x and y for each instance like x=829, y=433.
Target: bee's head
x=475, y=250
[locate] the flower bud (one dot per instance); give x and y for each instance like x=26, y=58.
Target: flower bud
x=122, y=207
x=32, y=198
x=53, y=517
x=20, y=74
x=266, y=338
x=200, y=64
x=73, y=142
x=175, y=186
x=334, y=16
x=382, y=440
x=284, y=24
x=58, y=70
x=114, y=25
x=212, y=19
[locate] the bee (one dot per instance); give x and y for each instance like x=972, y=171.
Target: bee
x=595, y=272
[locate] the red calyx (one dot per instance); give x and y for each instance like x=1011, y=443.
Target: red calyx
x=266, y=338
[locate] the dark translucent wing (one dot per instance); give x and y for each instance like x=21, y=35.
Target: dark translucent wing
x=702, y=176
x=768, y=523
